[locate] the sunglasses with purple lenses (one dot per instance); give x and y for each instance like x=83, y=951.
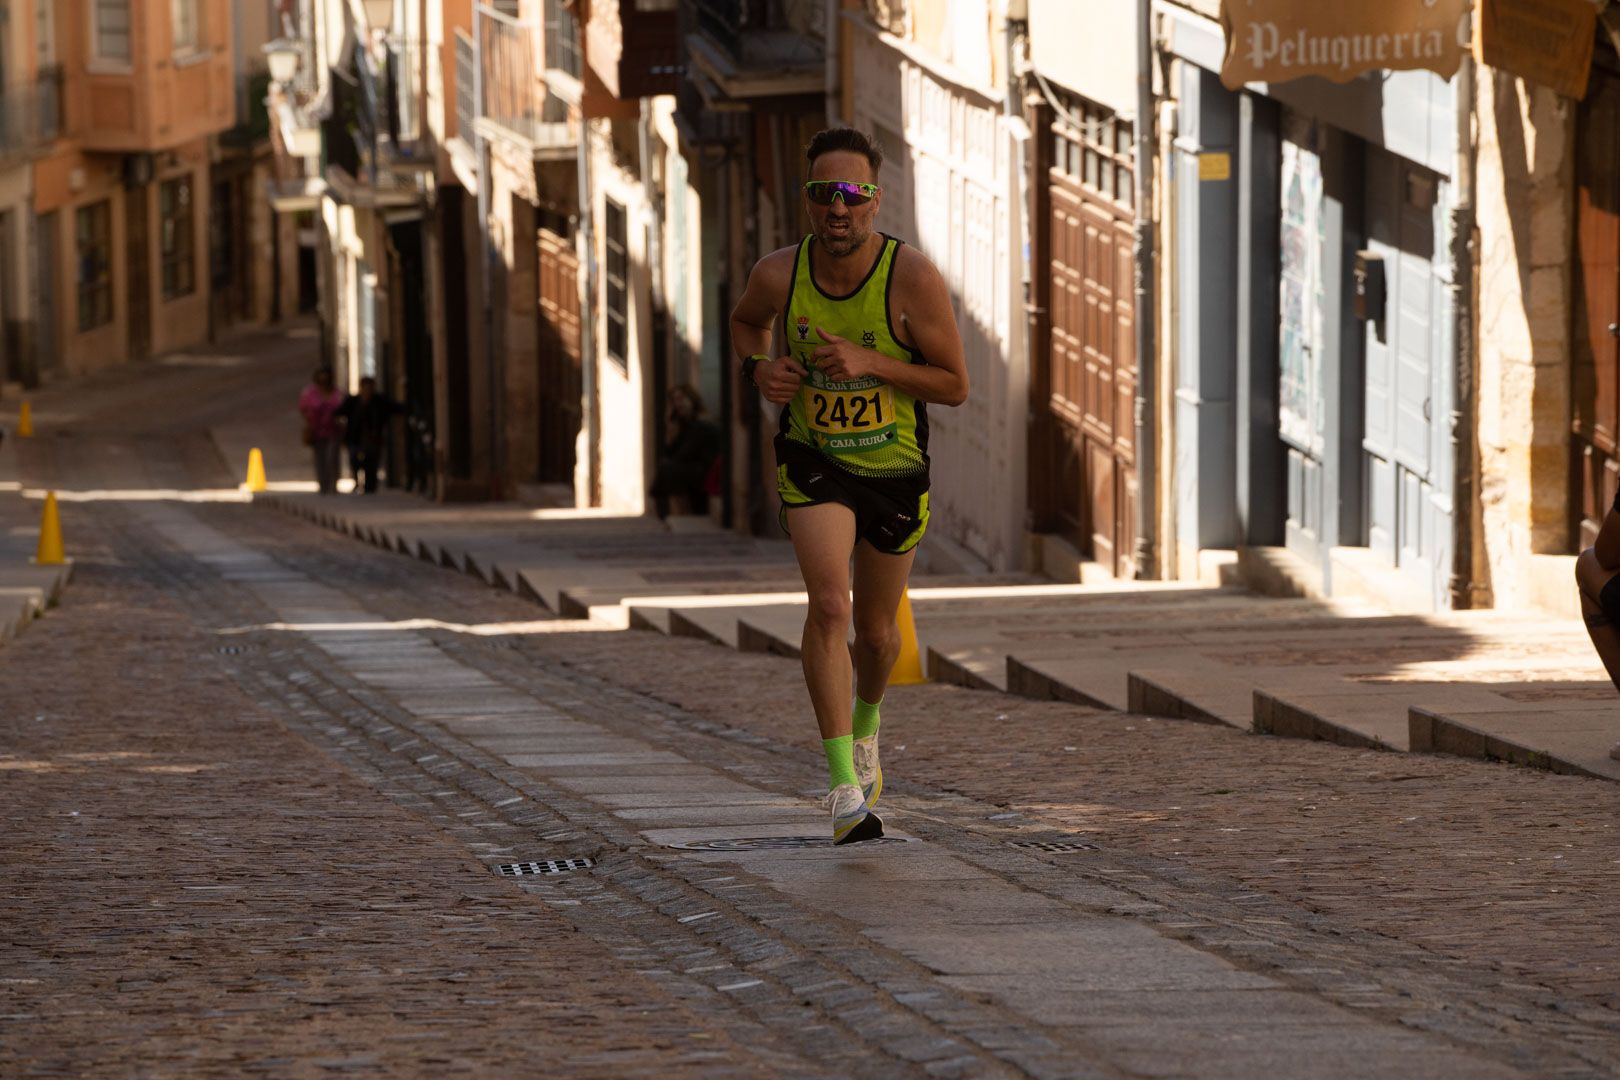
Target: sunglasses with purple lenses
x=823, y=192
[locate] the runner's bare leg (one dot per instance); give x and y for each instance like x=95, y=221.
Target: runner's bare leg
x=879, y=582
x=823, y=537
x=1591, y=576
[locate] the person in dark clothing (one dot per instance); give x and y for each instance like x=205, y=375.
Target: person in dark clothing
x=690, y=451
x=366, y=417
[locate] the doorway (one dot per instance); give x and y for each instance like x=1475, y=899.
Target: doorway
x=1595, y=337
x=139, y=259
x=1083, y=386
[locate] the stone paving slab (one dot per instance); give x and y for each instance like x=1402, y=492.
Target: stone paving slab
x=26, y=589
x=1337, y=671
x=1565, y=740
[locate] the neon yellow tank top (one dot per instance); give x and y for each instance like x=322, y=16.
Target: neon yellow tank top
x=864, y=425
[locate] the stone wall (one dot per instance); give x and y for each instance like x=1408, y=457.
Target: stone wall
x=1526, y=159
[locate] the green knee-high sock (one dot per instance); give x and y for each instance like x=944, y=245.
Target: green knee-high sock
x=840, y=761
x=865, y=718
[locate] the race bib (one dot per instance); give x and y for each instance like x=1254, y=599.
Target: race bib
x=846, y=421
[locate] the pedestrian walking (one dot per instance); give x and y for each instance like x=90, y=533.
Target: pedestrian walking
x=871, y=342
x=366, y=419
x=691, y=449
x=319, y=404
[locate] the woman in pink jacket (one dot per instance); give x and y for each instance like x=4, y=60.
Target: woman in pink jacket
x=319, y=404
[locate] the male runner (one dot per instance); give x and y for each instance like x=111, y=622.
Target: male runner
x=871, y=340
x=1597, y=573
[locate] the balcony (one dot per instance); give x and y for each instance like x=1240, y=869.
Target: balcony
x=632, y=46
x=357, y=150
x=757, y=48
x=514, y=108
x=30, y=116
x=292, y=104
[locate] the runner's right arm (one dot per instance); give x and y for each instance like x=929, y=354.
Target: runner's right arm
x=753, y=318
x=1607, y=545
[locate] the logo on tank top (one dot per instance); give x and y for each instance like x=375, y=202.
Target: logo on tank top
x=869, y=339
x=803, y=324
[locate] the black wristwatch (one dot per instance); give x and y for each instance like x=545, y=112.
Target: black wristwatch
x=750, y=363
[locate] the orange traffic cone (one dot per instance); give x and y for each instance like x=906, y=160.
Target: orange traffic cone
x=49, y=552
x=908, y=669
x=25, y=420
x=255, y=473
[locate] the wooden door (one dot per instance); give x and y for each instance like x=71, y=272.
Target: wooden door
x=1302, y=398
x=1407, y=381
x=1595, y=341
x=1083, y=475
x=46, y=283
x=139, y=259
x=561, y=389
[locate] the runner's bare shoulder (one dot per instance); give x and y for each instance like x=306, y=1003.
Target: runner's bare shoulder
x=919, y=291
x=774, y=272
x=768, y=286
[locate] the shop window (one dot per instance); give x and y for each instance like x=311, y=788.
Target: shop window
x=176, y=214
x=94, y=247
x=618, y=293
x=110, y=30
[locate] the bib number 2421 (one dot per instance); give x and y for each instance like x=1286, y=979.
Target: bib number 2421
x=838, y=411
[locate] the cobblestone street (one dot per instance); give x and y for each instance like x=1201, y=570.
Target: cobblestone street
x=259, y=777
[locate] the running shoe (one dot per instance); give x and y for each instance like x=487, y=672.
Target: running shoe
x=867, y=769
x=852, y=820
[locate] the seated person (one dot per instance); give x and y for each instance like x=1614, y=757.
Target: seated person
x=690, y=450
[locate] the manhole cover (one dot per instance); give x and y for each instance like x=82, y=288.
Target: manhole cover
x=1054, y=845
x=544, y=866
x=761, y=843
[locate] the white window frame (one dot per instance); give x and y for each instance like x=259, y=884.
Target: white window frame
x=194, y=42
x=100, y=61
x=45, y=35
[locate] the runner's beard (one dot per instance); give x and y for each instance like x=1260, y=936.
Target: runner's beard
x=847, y=243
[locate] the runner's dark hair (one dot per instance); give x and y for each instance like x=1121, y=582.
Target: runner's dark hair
x=845, y=138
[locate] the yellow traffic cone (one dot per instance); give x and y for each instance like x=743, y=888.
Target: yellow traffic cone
x=255, y=473
x=25, y=420
x=50, y=552
x=908, y=669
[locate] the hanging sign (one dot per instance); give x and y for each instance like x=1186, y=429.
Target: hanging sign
x=1277, y=40
x=1545, y=41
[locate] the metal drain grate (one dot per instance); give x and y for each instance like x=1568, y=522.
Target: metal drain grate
x=233, y=650
x=544, y=866
x=1054, y=845
x=762, y=843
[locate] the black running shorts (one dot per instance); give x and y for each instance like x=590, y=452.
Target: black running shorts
x=891, y=512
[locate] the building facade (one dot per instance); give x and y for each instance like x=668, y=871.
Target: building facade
x=123, y=197
x=32, y=122
x=1349, y=335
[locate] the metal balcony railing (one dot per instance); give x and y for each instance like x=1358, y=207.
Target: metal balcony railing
x=562, y=40
x=762, y=34
x=31, y=114
x=514, y=97
x=341, y=134
x=466, y=84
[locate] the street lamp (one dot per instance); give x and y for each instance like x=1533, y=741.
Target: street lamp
x=284, y=59
x=379, y=14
